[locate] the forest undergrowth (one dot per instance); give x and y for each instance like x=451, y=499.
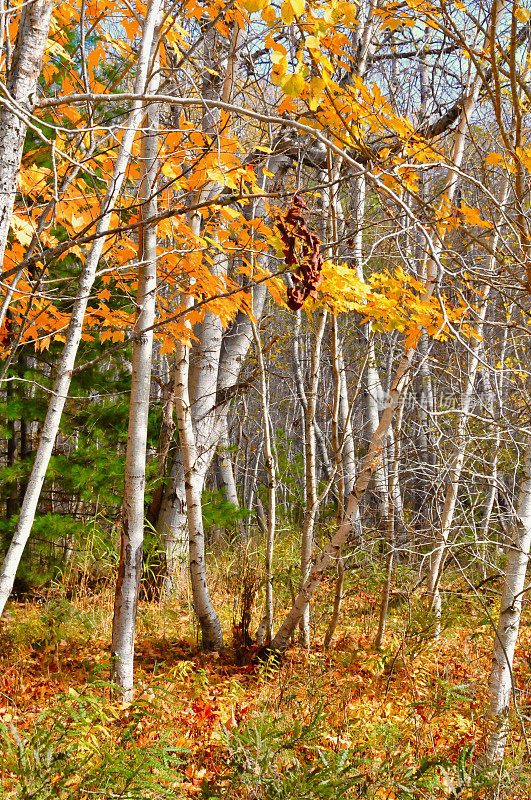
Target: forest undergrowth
x=406, y=721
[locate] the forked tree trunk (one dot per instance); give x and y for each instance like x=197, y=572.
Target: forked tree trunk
x=132, y=534
x=211, y=633
x=73, y=334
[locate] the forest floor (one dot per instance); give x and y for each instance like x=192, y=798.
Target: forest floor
x=403, y=722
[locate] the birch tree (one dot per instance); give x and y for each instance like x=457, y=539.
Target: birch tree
x=73, y=334
x=132, y=534
x=21, y=85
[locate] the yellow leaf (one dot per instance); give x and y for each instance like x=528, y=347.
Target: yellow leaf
x=268, y=15
x=286, y=12
x=298, y=6
x=473, y=217
x=312, y=42
x=293, y=84
x=522, y=14
x=494, y=158
x=255, y=5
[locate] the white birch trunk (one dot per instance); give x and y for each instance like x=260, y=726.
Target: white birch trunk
x=21, y=86
x=173, y=530
x=348, y=453
x=311, y=473
x=501, y=676
x=332, y=550
x=374, y=399
x=393, y=513
x=132, y=534
x=226, y=471
x=211, y=633
x=272, y=490
x=73, y=335
x=492, y=471
x=476, y=346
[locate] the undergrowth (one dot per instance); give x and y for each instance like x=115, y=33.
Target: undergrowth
x=403, y=723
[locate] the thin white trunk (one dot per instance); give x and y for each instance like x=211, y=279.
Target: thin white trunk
x=173, y=530
x=492, y=471
x=338, y=455
x=272, y=490
x=211, y=633
x=332, y=550
x=374, y=398
x=21, y=84
x=348, y=453
x=311, y=473
x=226, y=471
x=132, y=534
x=393, y=513
x=476, y=346
x=501, y=677
x=73, y=334
x=301, y=392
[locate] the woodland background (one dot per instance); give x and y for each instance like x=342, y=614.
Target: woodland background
x=265, y=443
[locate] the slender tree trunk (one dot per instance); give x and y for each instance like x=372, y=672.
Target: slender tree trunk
x=331, y=551
x=211, y=633
x=226, y=472
x=393, y=513
x=374, y=398
x=272, y=490
x=348, y=452
x=172, y=527
x=437, y=555
x=492, y=471
x=501, y=677
x=73, y=334
x=338, y=599
x=311, y=473
x=132, y=535
x=21, y=84
x=301, y=393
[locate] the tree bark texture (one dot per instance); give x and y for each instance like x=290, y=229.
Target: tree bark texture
x=21, y=85
x=132, y=534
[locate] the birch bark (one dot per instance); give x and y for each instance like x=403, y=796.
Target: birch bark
x=226, y=471
x=73, y=334
x=311, y=474
x=21, y=88
x=501, y=676
x=437, y=555
x=211, y=633
x=272, y=489
x=132, y=534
